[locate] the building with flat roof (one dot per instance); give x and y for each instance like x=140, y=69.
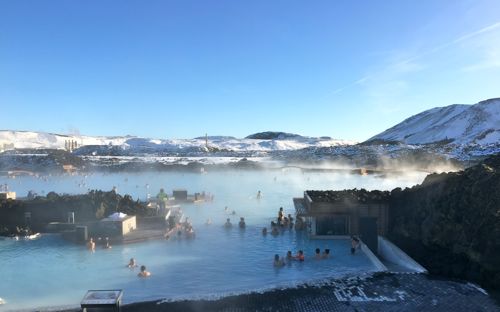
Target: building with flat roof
x=344, y=213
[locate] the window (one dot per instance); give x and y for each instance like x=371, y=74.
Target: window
x=331, y=225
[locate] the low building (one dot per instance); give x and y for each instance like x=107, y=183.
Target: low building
x=119, y=224
x=180, y=194
x=344, y=213
x=7, y=195
x=69, y=168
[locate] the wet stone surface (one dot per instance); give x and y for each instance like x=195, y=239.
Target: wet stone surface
x=382, y=292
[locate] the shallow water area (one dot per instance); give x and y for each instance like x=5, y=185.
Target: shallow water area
x=52, y=272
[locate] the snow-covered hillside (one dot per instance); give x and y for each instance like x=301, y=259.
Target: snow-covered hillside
x=457, y=124
x=39, y=140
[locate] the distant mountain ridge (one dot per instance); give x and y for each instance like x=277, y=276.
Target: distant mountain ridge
x=263, y=142
x=273, y=135
x=458, y=132
x=458, y=124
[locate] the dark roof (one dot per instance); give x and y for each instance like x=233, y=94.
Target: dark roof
x=300, y=209
x=355, y=195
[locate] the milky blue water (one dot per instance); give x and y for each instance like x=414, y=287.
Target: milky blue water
x=52, y=272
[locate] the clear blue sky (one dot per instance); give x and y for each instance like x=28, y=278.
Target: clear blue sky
x=179, y=69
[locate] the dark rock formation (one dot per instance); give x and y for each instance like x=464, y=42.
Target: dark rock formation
x=54, y=208
x=39, y=160
x=272, y=135
x=451, y=223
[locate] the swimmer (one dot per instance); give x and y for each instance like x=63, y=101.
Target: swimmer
x=190, y=232
x=259, y=195
x=143, y=272
x=280, y=215
x=242, y=223
x=132, y=264
x=289, y=256
x=317, y=255
x=278, y=262
x=354, y=244
x=233, y=212
x=300, y=256
x=275, y=231
x=228, y=224
x=264, y=231
x=91, y=245
x=106, y=244
x=326, y=254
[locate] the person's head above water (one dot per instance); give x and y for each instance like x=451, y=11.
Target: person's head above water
x=318, y=251
x=276, y=257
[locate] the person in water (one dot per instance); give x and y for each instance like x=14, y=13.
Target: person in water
x=280, y=215
x=299, y=224
x=259, y=195
x=242, y=223
x=144, y=272
x=300, y=256
x=91, y=245
x=106, y=244
x=326, y=254
x=162, y=198
x=264, y=231
x=354, y=244
x=132, y=264
x=190, y=232
x=228, y=224
x=289, y=256
x=317, y=255
x=275, y=231
x=278, y=262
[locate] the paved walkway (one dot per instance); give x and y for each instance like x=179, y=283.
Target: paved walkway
x=382, y=292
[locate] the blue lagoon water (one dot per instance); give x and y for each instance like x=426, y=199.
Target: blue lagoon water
x=52, y=272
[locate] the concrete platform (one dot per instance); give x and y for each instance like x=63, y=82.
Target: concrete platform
x=383, y=292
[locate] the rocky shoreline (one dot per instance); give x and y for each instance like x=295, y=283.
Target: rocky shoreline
x=451, y=223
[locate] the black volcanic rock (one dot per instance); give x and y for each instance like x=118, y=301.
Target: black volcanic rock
x=451, y=222
x=39, y=160
x=272, y=135
x=54, y=207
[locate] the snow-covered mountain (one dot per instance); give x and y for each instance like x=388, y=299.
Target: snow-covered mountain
x=40, y=140
x=457, y=124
